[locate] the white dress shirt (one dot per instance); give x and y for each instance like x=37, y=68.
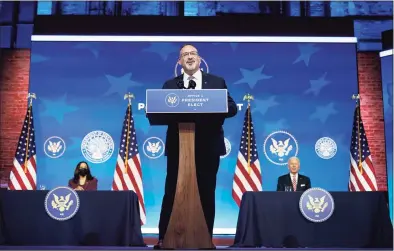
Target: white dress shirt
x=197, y=77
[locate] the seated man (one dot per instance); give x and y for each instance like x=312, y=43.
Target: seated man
x=293, y=181
x=83, y=179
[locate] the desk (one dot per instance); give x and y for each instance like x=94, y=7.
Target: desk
x=106, y=218
x=269, y=219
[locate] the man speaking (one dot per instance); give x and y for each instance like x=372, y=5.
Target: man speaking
x=209, y=141
x=293, y=181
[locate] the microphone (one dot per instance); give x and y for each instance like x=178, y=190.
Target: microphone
x=192, y=84
x=180, y=84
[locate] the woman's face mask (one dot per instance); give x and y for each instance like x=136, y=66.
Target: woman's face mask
x=83, y=172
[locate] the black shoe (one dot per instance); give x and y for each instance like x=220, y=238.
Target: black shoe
x=158, y=245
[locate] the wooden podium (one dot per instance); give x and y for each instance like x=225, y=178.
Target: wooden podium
x=187, y=227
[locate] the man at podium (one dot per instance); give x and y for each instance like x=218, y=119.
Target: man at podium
x=209, y=141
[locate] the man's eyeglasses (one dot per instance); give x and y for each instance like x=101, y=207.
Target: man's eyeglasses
x=192, y=53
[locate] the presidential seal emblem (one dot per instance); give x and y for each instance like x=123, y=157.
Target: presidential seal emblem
x=325, y=148
x=316, y=204
x=203, y=67
x=153, y=147
x=279, y=146
x=97, y=146
x=172, y=100
x=54, y=147
x=228, y=148
x=61, y=203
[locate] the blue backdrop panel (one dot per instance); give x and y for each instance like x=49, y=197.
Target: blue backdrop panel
x=302, y=102
x=387, y=88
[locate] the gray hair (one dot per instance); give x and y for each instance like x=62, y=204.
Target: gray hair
x=294, y=157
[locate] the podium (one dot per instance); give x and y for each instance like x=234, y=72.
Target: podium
x=187, y=227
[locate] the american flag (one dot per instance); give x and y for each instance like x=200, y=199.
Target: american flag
x=128, y=174
x=23, y=174
x=247, y=177
x=362, y=171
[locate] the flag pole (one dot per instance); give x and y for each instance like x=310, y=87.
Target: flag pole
x=357, y=98
x=248, y=97
x=30, y=97
x=128, y=96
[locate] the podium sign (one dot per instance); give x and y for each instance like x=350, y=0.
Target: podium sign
x=186, y=101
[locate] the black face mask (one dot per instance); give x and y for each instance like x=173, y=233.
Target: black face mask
x=83, y=172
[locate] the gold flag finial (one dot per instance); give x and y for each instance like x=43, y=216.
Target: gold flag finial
x=248, y=97
x=30, y=97
x=129, y=96
x=357, y=98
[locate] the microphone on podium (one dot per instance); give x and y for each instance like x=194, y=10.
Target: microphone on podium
x=192, y=84
x=180, y=84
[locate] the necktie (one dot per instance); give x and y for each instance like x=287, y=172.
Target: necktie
x=294, y=184
x=190, y=78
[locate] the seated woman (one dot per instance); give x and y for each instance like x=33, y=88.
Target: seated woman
x=83, y=179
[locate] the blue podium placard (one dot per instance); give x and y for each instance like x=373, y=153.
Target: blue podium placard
x=186, y=101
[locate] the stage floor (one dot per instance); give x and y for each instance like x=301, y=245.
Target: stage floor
x=218, y=240
x=151, y=248
x=222, y=242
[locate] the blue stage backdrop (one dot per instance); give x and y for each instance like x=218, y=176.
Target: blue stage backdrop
x=387, y=88
x=302, y=89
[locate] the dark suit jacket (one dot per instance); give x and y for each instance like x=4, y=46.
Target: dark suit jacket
x=209, y=135
x=90, y=185
x=303, y=183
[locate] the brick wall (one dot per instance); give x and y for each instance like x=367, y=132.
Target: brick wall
x=14, y=78
x=370, y=87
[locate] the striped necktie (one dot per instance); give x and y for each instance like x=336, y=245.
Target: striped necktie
x=294, y=183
